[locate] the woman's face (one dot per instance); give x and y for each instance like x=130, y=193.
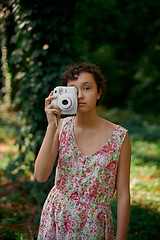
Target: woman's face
x=86, y=90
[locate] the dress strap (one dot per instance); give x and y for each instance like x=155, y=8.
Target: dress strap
x=65, y=121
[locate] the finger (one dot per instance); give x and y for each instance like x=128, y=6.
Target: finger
x=49, y=99
x=53, y=112
x=51, y=93
x=52, y=106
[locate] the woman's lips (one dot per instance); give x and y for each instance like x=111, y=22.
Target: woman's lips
x=81, y=104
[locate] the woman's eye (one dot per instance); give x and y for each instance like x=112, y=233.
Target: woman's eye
x=86, y=88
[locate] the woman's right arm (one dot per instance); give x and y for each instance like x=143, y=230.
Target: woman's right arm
x=49, y=149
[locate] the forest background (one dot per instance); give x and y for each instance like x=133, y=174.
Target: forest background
x=38, y=40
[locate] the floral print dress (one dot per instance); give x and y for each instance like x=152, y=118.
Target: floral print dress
x=79, y=205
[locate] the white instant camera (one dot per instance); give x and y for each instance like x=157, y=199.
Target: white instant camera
x=66, y=99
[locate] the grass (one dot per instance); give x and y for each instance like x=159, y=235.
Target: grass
x=145, y=174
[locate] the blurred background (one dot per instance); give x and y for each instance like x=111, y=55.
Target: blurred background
x=38, y=39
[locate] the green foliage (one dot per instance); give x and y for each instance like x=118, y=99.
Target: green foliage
x=146, y=226
x=147, y=80
x=42, y=48
x=20, y=236
x=123, y=38
x=144, y=223
x=7, y=234
x=120, y=36
x=7, y=131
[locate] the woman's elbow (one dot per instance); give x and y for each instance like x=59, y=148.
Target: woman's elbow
x=39, y=178
x=125, y=196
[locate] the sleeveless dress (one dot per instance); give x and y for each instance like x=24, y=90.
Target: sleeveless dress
x=78, y=207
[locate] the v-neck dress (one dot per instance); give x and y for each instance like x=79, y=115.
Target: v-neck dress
x=78, y=207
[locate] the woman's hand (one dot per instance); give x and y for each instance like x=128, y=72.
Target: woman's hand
x=51, y=109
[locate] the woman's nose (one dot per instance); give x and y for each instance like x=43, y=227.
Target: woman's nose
x=80, y=94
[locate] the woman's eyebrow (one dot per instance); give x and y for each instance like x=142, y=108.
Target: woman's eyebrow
x=87, y=83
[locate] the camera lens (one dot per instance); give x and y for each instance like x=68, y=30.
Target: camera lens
x=65, y=102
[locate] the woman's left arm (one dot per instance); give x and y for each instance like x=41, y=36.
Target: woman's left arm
x=123, y=190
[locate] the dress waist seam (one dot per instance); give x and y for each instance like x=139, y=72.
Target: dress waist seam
x=81, y=198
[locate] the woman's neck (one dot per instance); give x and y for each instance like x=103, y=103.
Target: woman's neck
x=87, y=120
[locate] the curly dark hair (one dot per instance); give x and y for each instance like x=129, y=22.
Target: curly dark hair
x=73, y=71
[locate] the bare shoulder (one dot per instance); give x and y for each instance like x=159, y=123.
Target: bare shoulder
x=107, y=124
x=126, y=143
x=106, y=128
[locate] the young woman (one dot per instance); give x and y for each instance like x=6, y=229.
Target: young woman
x=94, y=161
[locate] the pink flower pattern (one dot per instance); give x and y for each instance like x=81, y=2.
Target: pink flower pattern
x=79, y=205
